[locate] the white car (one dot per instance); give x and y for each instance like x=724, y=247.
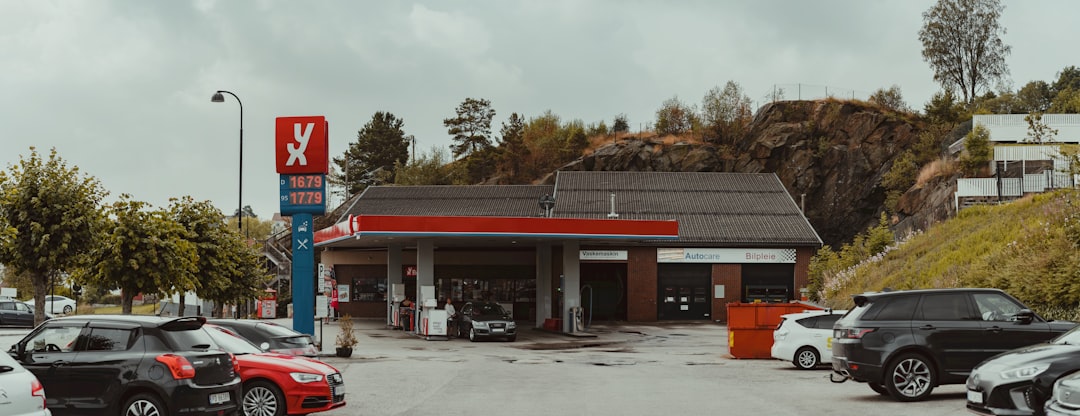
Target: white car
x=805, y=339
x=56, y=304
x=21, y=394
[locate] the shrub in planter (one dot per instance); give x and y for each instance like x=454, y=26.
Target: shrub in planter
x=346, y=339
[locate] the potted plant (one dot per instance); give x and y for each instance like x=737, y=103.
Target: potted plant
x=346, y=339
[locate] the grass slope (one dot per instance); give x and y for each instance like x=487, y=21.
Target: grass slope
x=1027, y=247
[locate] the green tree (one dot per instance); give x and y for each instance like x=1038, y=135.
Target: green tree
x=471, y=128
x=725, y=113
x=431, y=168
x=900, y=177
x=1066, y=101
x=49, y=217
x=1038, y=132
x=1004, y=103
x=621, y=124
x=225, y=271
x=674, y=117
x=1069, y=77
x=890, y=98
x=379, y=145
x=254, y=228
x=143, y=251
x=513, y=149
x=962, y=43
x=977, y=150
x=943, y=109
x=1036, y=96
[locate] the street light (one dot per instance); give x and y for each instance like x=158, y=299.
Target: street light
x=218, y=98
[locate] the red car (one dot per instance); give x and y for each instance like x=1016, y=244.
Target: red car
x=277, y=384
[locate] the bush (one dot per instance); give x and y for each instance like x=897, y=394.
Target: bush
x=346, y=338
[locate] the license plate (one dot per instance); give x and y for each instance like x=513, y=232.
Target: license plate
x=219, y=398
x=975, y=397
x=496, y=330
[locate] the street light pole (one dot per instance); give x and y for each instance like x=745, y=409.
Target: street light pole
x=218, y=98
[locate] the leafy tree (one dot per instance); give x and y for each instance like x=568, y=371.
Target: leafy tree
x=49, y=217
x=977, y=150
x=1069, y=77
x=900, y=177
x=513, y=149
x=1036, y=96
x=674, y=117
x=890, y=98
x=379, y=144
x=943, y=109
x=254, y=228
x=480, y=165
x=962, y=43
x=432, y=168
x=575, y=140
x=1038, y=132
x=143, y=251
x=225, y=271
x=621, y=124
x=597, y=129
x=20, y=282
x=1005, y=103
x=1066, y=101
x=725, y=113
x=471, y=128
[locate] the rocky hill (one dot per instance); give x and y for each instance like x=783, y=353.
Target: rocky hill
x=831, y=156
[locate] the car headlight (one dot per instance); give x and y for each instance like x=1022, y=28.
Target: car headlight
x=478, y=324
x=306, y=377
x=1023, y=373
x=511, y=325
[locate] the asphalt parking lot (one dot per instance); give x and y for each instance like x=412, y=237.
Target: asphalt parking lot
x=624, y=369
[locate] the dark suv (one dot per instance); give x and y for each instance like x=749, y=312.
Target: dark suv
x=905, y=343
x=130, y=365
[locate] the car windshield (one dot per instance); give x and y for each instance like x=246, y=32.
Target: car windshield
x=489, y=309
x=231, y=343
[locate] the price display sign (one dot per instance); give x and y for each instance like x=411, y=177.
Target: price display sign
x=303, y=194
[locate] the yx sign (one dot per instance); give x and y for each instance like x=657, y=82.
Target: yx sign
x=300, y=144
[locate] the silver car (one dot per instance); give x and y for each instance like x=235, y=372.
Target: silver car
x=21, y=394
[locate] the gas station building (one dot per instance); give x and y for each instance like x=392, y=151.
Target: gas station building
x=621, y=246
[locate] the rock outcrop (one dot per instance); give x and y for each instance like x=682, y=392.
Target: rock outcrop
x=831, y=156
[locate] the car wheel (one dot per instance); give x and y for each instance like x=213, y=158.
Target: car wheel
x=144, y=404
x=472, y=334
x=68, y=309
x=911, y=378
x=879, y=389
x=263, y=399
x=806, y=358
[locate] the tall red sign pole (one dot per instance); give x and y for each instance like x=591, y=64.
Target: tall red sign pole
x=300, y=148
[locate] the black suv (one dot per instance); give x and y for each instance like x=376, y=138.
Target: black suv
x=905, y=343
x=130, y=365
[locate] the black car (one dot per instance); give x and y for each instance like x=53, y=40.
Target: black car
x=1020, y=381
x=271, y=337
x=486, y=320
x=905, y=343
x=130, y=365
x=16, y=313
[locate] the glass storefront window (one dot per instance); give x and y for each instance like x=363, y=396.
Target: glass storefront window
x=369, y=290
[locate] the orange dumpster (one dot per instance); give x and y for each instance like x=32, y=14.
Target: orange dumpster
x=751, y=326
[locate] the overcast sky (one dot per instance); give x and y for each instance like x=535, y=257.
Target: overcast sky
x=122, y=88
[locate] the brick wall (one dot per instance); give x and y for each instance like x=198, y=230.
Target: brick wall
x=729, y=275
x=641, y=284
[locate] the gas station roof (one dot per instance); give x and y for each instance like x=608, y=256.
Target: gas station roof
x=713, y=209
